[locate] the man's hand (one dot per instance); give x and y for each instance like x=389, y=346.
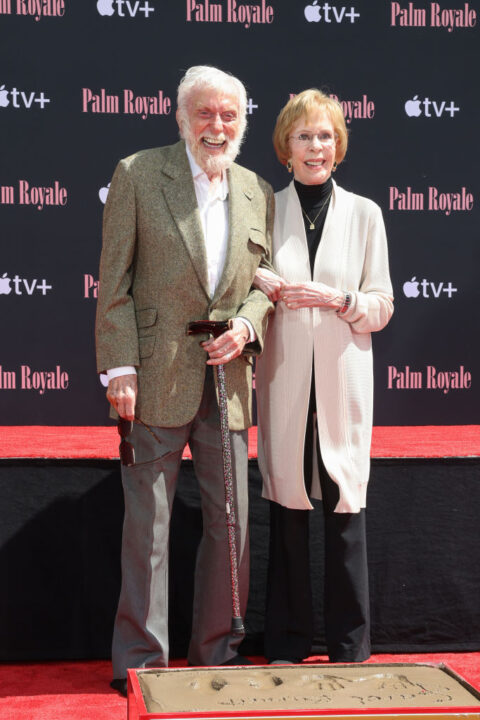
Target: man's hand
x=229, y=345
x=311, y=294
x=122, y=394
x=269, y=283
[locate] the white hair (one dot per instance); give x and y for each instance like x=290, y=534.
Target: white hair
x=206, y=76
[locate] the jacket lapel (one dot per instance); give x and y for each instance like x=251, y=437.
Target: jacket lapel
x=333, y=246
x=182, y=202
x=292, y=250
x=292, y=259
x=239, y=216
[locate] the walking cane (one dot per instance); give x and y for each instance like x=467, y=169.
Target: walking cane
x=216, y=328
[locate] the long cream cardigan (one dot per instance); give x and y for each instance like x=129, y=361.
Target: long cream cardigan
x=352, y=256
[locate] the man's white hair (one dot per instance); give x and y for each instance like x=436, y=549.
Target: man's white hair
x=206, y=76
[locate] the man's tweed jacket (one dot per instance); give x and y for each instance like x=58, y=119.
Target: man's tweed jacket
x=153, y=281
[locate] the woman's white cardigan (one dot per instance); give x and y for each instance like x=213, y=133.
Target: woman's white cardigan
x=352, y=256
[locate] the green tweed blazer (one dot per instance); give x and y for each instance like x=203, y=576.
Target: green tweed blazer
x=153, y=281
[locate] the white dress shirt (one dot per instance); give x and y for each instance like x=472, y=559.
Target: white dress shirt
x=213, y=206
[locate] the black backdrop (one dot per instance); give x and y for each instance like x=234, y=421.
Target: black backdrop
x=66, y=68
x=60, y=558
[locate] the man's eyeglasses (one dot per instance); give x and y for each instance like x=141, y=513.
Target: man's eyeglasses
x=127, y=451
x=305, y=139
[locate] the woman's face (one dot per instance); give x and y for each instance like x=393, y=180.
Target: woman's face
x=312, y=144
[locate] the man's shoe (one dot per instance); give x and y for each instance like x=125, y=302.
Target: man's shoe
x=120, y=685
x=237, y=660
x=290, y=661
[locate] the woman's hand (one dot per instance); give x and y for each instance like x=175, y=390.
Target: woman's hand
x=269, y=283
x=311, y=294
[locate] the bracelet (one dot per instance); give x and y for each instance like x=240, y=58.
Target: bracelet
x=346, y=304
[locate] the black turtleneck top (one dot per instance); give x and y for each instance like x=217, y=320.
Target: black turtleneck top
x=314, y=200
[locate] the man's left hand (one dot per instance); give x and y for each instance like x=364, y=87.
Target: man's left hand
x=229, y=345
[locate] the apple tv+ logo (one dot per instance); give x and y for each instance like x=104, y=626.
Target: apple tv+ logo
x=21, y=99
x=410, y=288
x=22, y=284
x=124, y=8
x=329, y=13
x=103, y=193
x=429, y=108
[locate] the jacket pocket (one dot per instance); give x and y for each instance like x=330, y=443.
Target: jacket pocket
x=257, y=241
x=146, y=345
x=146, y=317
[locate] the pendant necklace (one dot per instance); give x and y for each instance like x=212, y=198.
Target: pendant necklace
x=312, y=222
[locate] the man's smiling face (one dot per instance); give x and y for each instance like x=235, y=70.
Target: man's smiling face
x=212, y=129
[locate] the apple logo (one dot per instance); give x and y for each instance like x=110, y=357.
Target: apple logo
x=410, y=288
x=104, y=379
x=105, y=7
x=412, y=107
x=103, y=193
x=5, y=288
x=4, y=101
x=312, y=12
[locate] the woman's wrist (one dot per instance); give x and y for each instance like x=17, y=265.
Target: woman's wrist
x=347, y=300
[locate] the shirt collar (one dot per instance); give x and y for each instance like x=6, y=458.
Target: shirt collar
x=198, y=174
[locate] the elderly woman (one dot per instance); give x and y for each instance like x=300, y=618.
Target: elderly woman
x=314, y=383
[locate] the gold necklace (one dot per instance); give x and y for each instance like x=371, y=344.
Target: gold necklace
x=312, y=222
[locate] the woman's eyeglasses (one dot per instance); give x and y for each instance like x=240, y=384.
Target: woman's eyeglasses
x=305, y=139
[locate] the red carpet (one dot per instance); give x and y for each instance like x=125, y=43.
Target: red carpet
x=80, y=690
x=428, y=441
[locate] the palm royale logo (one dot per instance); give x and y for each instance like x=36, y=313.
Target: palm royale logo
x=127, y=103
x=34, y=8
x=232, y=11
x=428, y=379
x=38, y=196
x=90, y=287
x=360, y=109
x=25, y=378
x=432, y=200
x=437, y=17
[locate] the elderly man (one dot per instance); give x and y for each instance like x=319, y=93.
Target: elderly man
x=185, y=229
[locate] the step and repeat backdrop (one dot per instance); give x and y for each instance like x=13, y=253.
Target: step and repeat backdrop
x=84, y=83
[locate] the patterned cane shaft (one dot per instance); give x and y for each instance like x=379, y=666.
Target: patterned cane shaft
x=229, y=502
x=234, y=571
x=226, y=447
